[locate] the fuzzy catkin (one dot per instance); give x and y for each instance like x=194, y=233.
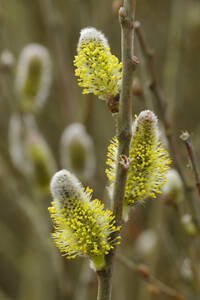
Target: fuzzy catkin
x=82, y=226
x=173, y=188
x=29, y=151
x=33, y=77
x=42, y=159
x=98, y=71
x=77, y=151
x=17, y=136
x=7, y=59
x=149, y=160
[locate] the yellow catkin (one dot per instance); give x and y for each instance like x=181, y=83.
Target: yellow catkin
x=149, y=160
x=81, y=227
x=98, y=71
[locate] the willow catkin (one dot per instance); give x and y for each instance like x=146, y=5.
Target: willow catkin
x=82, y=227
x=149, y=161
x=33, y=77
x=29, y=151
x=77, y=151
x=98, y=71
x=17, y=136
x=173, y=188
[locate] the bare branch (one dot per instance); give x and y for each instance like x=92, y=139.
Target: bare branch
x=149, y=55
x=144, y=272
x=162, y=103
x=185, y=137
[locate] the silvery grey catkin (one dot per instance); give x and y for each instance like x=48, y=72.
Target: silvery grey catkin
x=42, y=160
x=17, y=134
x=77, y=151
x=173, y=188
x=33, y=78
x=29, y=151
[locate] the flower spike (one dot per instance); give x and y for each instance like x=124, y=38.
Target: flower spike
x=82, y=227
x=149, y=160
x=98, y=70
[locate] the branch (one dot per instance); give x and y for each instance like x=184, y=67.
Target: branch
x=185, y=137
x=162, y=103
x=149, y=55
x=125, y=106
x=126, y=16
x=177, y=19
x=49, y=14
x=144, y=272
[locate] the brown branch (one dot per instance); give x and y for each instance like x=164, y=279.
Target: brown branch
x=144, y=272
x=185, y=137
x=149, y=55
x=49, y=14
x=126, y=15
x=155, y=87
x=125, y=105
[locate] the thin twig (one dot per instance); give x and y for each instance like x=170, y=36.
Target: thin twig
x=48, y=11
x=174, y=50
x=149, y=55
x=144, y=272
x=126, y=15
x=162, y=103
x=185, y=136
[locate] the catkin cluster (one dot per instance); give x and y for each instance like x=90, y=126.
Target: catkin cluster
x=82, y=226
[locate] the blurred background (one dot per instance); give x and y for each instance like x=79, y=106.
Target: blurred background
x=36, y=140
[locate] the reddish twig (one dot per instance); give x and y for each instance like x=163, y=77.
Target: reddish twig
x=144, y=272
x=48, y=11
x=155, y=87
x=149, y=55
x=185, y=136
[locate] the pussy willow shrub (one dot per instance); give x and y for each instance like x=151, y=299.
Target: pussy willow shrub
x=82, y=227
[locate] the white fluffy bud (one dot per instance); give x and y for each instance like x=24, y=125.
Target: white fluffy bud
x=146, y=243
x=33, y=77
x=64, y=185
x=173, y=187
x=92, y=34
x=17, y=142
x=7, y=59
x=77, y=151
x=29, y=151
